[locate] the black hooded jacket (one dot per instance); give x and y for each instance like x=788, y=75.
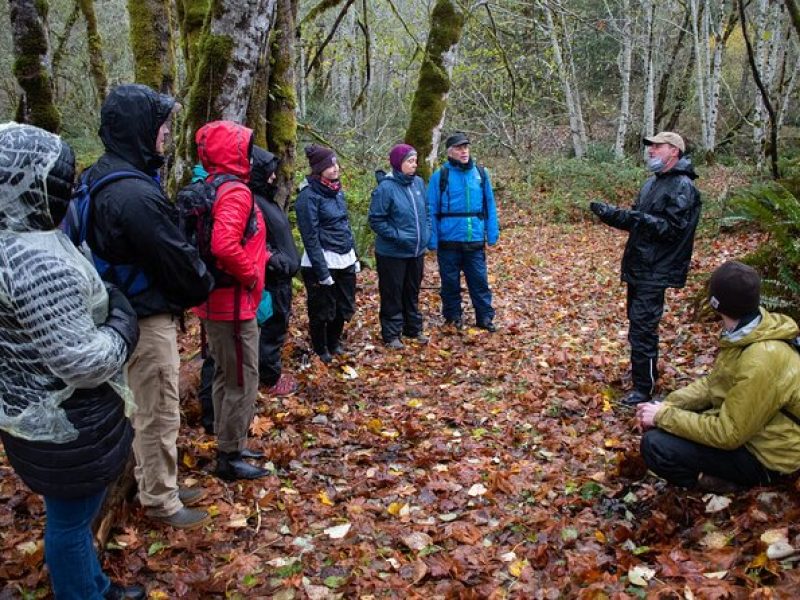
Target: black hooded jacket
x=131, y=220
x=662, y=224
x=284, y=260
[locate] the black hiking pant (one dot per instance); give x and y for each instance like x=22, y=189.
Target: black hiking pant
x=329, y=307
x=398, y=283
x=680, y=461
x=273, y=331
x=645, y=307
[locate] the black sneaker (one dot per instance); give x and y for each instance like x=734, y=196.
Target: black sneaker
x=635, y=397
x=119, y=592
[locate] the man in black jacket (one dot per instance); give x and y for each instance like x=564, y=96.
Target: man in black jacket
x=661, y=223
x=132, y=225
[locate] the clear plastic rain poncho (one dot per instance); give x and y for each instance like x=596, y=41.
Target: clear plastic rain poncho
x=52, y=302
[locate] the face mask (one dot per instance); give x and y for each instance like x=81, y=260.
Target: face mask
x=654, y=165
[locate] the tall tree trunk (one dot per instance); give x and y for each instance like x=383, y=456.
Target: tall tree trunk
x=430, y=99
x=761, y=52
x=700, y=40
x=230, y=45
x=625, y=59
x=95, y=43
x=32, y=64
x=648, y=117
x=570, y=97
x=282, y=99
x=152, y=44
x=191, y=16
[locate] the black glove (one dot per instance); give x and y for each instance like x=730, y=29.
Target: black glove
x=122, y=318
x=601, y=209
x=279, y=263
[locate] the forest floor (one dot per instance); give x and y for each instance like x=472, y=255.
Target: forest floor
x=477, y=466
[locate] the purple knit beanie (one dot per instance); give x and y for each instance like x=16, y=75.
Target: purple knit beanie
x=399, y=154
x=319, y=158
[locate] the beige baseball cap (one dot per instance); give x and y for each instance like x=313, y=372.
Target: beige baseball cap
x=666, y=137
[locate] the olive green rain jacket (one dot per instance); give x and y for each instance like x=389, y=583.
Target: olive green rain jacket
x=740, y=401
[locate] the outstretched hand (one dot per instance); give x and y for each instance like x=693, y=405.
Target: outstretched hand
x=599, y=208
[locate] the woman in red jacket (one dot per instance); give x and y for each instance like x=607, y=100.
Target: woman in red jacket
x=238, y=244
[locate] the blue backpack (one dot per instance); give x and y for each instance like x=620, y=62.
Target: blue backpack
x=128, y=278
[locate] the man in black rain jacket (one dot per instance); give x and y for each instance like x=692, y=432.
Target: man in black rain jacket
x=662, y=224
x=131, y=223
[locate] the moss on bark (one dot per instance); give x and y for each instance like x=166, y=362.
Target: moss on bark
x=282, y=99
x=37, y=105
x=191, y=16
x=430, y=98
x=95, y=43
x=151, y=41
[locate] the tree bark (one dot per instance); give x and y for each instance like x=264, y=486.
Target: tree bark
x=232, y=41
x=282, y=99
x=773, y=150
x=95, y=43
x=152, y=44
x=430, y=98
x=648, y=117
x=191, y=17
x=625, y=60
x=32, y=64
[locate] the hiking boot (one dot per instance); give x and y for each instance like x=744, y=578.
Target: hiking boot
x=488, y=325
x=325, y=357
x=185, y=518
x=248, y=453
x=285, y=386
x=420, y=338
x=231, y=466
x=716, y=485
x=394, y=344
x=191, y=496
x=635, y=397
x=337, y=349
x=130, y=592
x=457, y=323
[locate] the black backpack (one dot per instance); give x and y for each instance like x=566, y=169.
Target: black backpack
x=194, y=204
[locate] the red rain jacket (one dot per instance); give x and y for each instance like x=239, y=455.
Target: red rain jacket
x=224, y=148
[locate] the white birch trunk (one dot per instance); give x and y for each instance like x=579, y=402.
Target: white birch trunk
x=648, y=118
x=247, y=24
x=564, y=76
x=625, y=59
x=701, y=62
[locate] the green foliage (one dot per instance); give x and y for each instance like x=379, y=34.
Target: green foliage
x=561, y=188
x=776, y=210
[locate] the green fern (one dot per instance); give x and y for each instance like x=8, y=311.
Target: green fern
x=776, y=211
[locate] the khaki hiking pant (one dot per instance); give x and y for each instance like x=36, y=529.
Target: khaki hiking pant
x=234, y=405
x=153, y=377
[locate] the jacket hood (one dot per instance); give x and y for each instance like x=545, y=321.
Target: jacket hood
x=36, y=173
x=224, y=148
x=684, y=166
x=265, y=163
x=773, y=326
x=129, y=122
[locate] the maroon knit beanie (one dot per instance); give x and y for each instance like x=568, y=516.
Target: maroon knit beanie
x=320, y=158
x=734, y=289
x=399, y=154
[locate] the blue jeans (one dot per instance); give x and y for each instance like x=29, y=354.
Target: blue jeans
x=473, y=264
x=75, y=572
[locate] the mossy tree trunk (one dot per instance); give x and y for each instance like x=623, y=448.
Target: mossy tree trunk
x=152, y=44
x=282, y=99
x=95, y=44
x=191, y=17
x=32, y=64
x=225, y=66
x=430, y=99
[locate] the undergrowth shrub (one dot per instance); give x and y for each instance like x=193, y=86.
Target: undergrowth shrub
x=774, y=207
